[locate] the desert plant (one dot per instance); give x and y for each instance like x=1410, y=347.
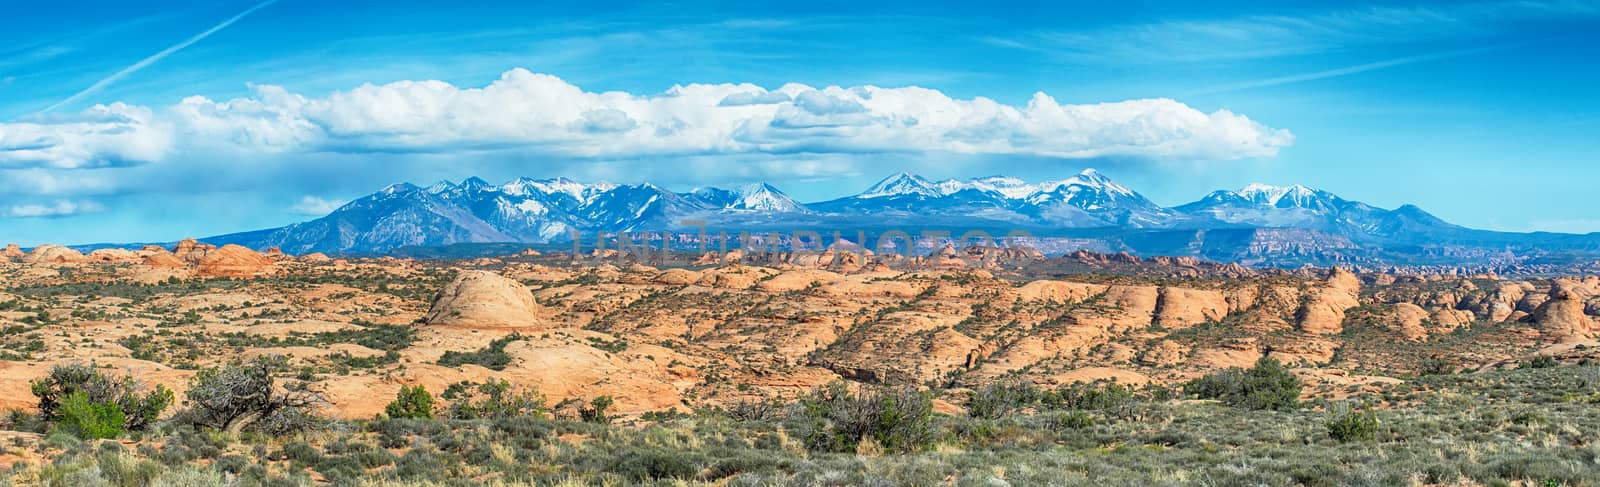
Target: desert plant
x=1001, y=398
x=411, y=402
x=91, y=420
x=492, y=399
x=1267, y=385
x=1353, y=425
x=836, y=420
x=595, y=412
x=139, y=408
x=492, y=356
x=242, y=396
x=1540, y=362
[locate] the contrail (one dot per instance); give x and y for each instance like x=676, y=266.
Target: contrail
x=156, y=57
x=1348, y=70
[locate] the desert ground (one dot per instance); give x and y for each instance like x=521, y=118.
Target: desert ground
x=1012, y=367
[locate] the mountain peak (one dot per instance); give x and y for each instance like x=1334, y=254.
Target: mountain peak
x=442, y=186
x=399, y=188
x=1268, y=195
x=902, y=183
x=764, y=197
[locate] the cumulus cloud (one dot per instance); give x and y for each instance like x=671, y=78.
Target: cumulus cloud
x=315, y=206
x=544, y=113
x=105, y=135
x=59, y=208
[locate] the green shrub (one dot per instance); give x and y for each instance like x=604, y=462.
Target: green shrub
x=1092, y=396
x=832, y=419
x=411, y=402
x=595, y=412
x=1541, y=362
x=1075, y=420
x=492, y=356
x=91, y=420
x=1353, y=425
x=1268, y=385
x=1001, y=398
x=491, y=399
x=138, y=408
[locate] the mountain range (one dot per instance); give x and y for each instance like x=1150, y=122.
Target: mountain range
x=1258, y=224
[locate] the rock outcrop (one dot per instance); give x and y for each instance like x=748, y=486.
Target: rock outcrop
x=1323, y=311
x=1181, y=307
x=12, y=252
x=53, y=254
x=113, y=256
x=234, y=261
x=164, y=260
x=1561, y=318
x=483, y=299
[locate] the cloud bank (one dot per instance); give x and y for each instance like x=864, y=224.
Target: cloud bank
x=544, y=113
x=59, y=208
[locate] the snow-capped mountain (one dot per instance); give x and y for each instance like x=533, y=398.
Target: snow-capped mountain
x=755, y=197
x=1087, y=199
x=1298, y=206
x=1258, y=223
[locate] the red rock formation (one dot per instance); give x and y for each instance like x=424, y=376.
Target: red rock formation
x=234, y=261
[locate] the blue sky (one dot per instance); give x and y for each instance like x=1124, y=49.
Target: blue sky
x=137, y=121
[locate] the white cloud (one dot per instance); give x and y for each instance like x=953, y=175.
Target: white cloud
x=314, y=206
x=544, y=114
x=104, y=135
x=57, y=209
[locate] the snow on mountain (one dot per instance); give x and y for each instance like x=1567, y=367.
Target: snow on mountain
x=547, y=210
x=764, y=197
x=903, y=184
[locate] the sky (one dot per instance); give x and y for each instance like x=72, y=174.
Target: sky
x=155, y=121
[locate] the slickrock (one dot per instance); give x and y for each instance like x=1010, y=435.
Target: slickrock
x=678, y=277
x=1407, y=319
x=483, y=299
x=315, y=258
x=12, y=252
x=1237, y=353
x=53, y=254
x=1323, y=312
x=164, y=260
x=1058, y=291
x=234, y=261
x=192, y=251
x=1163, y=353
x=1561, y=318
x=734, y=276
x=796, y=280
x=1447, y=320
x=1178, y=308
x=113, y=256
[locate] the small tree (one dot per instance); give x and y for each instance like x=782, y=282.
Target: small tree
x=1268, y=385
x=243, y=396
x=91, y=420
x=138, y=408
x=595, y=412
x=1353, y=425
x=411, y=402
x=492, y=399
